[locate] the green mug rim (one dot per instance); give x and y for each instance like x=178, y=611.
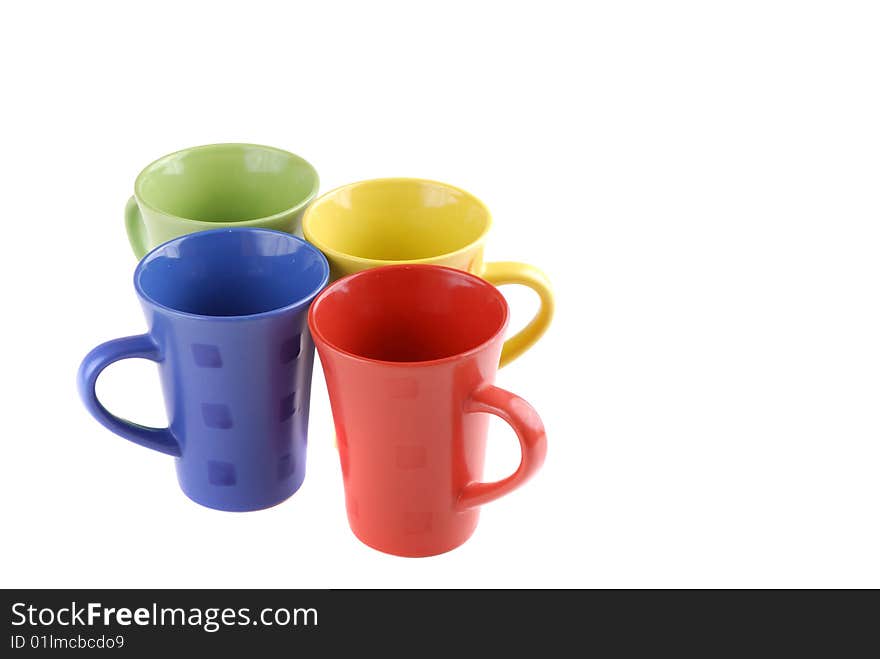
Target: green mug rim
x=313, y=191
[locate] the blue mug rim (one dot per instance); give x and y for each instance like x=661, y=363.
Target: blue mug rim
x=303, y=301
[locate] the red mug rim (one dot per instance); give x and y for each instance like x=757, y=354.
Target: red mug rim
x=377, y=272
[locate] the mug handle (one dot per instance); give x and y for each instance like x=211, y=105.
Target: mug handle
x=525, y=421
x=143, y=346
x=134, y=227
x=509, y=272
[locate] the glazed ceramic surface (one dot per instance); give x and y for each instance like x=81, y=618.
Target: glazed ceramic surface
x=227, y=317
x=410, y=354
x=403, y=220
x=218, y=185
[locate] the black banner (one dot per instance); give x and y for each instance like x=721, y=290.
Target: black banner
x=418, y=621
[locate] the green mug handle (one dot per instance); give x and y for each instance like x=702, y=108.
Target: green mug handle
x=134, y=226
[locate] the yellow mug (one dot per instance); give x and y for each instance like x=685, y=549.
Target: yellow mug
x=408, y=220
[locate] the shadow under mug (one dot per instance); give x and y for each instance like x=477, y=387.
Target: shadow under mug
x=410, y=354
x=215, y=186
x=415, y=221
x=227, y=316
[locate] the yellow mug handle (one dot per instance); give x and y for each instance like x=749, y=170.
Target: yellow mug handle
x=509, y=272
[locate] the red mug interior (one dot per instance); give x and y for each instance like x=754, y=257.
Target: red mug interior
x=409, y=313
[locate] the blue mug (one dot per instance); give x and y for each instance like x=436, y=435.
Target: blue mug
x=227, y=312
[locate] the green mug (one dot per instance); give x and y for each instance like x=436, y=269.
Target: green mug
x=218, y=185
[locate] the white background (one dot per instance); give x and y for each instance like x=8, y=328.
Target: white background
x=699, y=180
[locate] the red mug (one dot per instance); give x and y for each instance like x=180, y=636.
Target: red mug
x=409, y=355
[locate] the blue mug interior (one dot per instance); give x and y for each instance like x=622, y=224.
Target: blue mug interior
x=232, y=272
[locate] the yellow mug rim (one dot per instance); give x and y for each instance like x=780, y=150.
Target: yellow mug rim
x=330, y=251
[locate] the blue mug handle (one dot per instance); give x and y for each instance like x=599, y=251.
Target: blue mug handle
x=143, y=346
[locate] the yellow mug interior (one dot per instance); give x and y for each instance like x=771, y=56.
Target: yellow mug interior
x=397, y=219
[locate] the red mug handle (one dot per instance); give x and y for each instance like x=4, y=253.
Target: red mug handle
x=525, y=421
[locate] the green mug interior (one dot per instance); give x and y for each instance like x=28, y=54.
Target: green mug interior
x=227, y=183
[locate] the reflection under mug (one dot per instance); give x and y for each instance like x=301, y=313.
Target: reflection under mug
x=407, y=220
x=410, y=354
x=215, y=186
x=226, y=311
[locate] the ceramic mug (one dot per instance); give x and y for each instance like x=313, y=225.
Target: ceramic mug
x=226, y=311
x=410, y=354
x=406, y=220
x=215, y=186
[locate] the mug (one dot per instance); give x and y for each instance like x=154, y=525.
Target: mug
x=410, y=354
x=407, y=220
x=226, y=311
x=215, y=186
